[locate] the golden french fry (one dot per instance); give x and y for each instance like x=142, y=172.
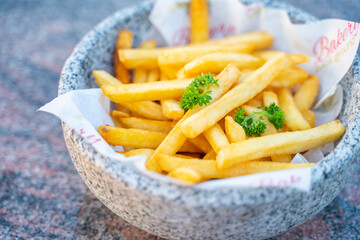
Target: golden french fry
x=146, y=124
x=216, y=62
x=270, y=97
x=124, y=41
x=208, y=168
x=238, y=95
x=270, y=128
x=141, y=75
x=137, y=138
x=140, y=58
x=234, y=132
x=186, y=175
x=104, y=78
x=171, y=60
x=150, y=110
x=306, y=94
x=146, y=91
x=171, y=109
x=260, y=40
x=216, y=137
x=294, y=59
x=122, y=109
x=309, y=116
x=293, y=118
x=290, y=77
x=211, y=155
x=153, y=75
x=281, y=143
x=253, y=167
x=175, y=139
x=116, y=121
x=282, y=158
x=199, y=22
x=119, y=114
x=201, y=143
x=141, y=151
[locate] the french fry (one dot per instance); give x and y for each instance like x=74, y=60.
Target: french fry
x=116, y=121
x=211, y=155
x=293, y=118
x=269, y=98
x=199, y=22
x=260, y=40
x=175, y=139
x=282, y=158
x=234, y=132
x=216, y=62
x=153, y=75
x=306, y=94
x=270, y=128
x=171, y=109
x=186, y=175
x=147, y=109
x=130, y=138
x=146, y=91
x=294, y=59
x=119, y=114
x=201, y=143
x=309, y=116
x=208, y=168
x=148, y=58
x=253, y=167
x=124, y=41
x=146, y=124
x=122, y=109
x=150, y=110
x=216, y=137
x=141, y=151
x=238, y=95
x=104, y=78
x=290, y=77
x=141, y=75
x=281, y=143
x=140, y=58
x=171, y=60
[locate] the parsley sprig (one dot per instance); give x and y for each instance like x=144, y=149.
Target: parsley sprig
x=250, y=124
x=255, y=126
x=197, y=92
x=275, y=115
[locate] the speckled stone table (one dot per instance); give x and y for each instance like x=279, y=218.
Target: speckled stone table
x=41, y=194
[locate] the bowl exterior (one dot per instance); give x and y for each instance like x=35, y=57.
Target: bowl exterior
x=174, y=212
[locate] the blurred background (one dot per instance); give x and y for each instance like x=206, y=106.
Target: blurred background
x=41, y=194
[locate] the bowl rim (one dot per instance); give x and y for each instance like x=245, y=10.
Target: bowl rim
x=171, y=191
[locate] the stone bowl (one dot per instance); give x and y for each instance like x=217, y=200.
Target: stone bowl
x=175, y=212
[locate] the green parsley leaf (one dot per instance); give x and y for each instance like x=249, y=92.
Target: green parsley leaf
x=196, y=93
x=275, y=115
x=250, y=124
x=254, y=126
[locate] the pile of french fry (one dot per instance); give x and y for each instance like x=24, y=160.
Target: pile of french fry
x=205, y=142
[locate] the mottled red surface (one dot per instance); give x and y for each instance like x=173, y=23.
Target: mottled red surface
x=41, y=194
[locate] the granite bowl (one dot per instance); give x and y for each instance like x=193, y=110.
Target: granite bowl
x=174, y=212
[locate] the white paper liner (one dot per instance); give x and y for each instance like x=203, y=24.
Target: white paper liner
x=170, y=19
